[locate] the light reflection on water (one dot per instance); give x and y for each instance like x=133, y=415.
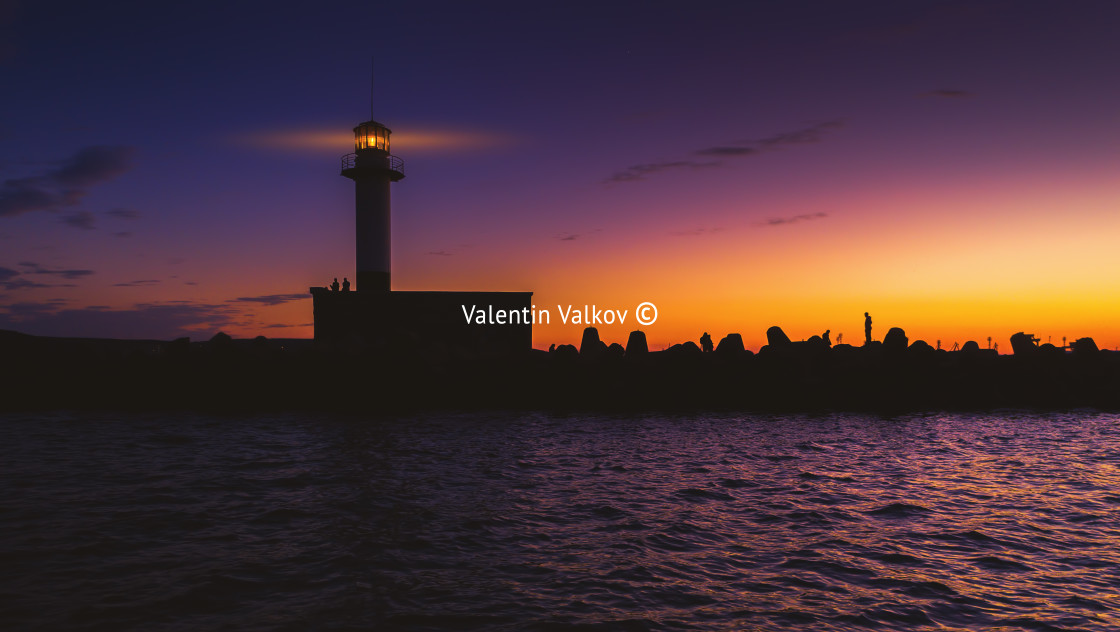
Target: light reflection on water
x=545, y=522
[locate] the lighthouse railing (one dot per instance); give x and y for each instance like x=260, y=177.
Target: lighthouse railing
x=349, y=161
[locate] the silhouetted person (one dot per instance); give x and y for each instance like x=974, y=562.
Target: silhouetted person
x=826, y=338
x=706, y=343
x=867, y=327
x=345, y=284
x=334, y=286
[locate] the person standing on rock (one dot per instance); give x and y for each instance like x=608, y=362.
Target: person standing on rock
x=867, y=327
x=706, y=343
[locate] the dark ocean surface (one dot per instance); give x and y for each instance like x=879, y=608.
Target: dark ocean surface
x=512, y=521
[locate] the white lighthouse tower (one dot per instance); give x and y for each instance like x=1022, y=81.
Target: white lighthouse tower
x=374, y=318
x=372, y=168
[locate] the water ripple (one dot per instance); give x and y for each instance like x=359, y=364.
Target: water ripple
x=510, y=522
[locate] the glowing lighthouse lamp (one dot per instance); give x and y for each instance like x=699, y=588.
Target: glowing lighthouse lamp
x=372, y=168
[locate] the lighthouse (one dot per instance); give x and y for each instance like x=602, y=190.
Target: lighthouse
x=376, y=319
x=373, y=169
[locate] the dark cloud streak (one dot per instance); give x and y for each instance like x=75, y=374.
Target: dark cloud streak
x=81, y=219
x=639, y=172
x=66, y=184
x=34, y=268
x=124, y=213
x=781, y=221
x=738, y=149
x=272, y=299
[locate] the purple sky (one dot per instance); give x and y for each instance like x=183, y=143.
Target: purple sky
x=174, y=170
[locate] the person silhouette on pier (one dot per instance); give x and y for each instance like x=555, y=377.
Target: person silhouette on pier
x=867, y=327
x=706, y=343
x=334, y=286
x=345, y=284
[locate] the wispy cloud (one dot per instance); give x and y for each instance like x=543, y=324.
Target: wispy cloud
x=272, y=299
x=793, y=219
x=696, y=232
x=123, y=233
x=140, y=283
x=34, y=268
x=736, y=149
x=123, y=213
x=639, y=172
x=804, y=136
x=439, y=253
x=575, y=236
x=12, y=280
x=66, y=184
x=80, y=219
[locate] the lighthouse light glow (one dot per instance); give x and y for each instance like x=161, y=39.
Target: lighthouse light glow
x=371, y=136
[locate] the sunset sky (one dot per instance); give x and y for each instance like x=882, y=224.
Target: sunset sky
x=951, y=167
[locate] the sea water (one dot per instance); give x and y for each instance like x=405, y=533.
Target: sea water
x=536, y=521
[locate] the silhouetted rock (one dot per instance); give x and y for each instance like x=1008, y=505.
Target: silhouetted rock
x=591, y=347
x=566, y=353
x=110, y=374
x=1024, y=344
x=895, y=340
x=687, y=349
x=636, y=344
x=1083, y=346
x=590, y=340
x=922, y=346
x=731, y=344
x=971, y=347
x=776, y=337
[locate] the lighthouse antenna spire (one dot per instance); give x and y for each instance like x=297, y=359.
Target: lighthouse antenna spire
x=371, y=87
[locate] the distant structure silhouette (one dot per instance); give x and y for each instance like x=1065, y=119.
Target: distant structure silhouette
x=706, y=343
x=376, y=318
x=867, y=327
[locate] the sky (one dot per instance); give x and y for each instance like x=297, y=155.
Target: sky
x=950, y=167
